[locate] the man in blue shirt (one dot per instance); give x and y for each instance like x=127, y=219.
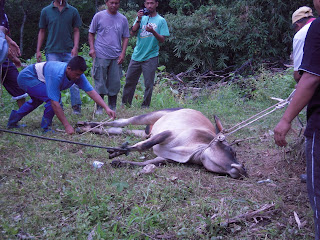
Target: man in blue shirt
x=44, y=81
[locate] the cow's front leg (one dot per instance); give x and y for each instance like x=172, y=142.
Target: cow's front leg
x=123, y=163
x=149, y=143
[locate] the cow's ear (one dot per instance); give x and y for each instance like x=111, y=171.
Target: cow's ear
x=219, y=126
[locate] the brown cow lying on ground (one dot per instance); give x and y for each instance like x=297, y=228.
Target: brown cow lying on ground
x=183, y=135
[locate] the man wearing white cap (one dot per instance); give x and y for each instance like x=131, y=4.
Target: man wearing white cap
x=301, y=21
x=308, y=93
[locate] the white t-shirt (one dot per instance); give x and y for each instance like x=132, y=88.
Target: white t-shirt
x=298, y=44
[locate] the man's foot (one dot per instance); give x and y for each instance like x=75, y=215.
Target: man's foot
x=99, y=110
x=76, y=109
x=14, y=118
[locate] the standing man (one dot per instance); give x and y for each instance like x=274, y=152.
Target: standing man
x=111, y=28
x=301, y=21
x=308, y=93
x=8, y=68
x=151, y=29
x=44, y=81
x=62, y=21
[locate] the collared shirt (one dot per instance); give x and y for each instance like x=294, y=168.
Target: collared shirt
x=60, y=27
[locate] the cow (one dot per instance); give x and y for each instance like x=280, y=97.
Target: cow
x=184, y=136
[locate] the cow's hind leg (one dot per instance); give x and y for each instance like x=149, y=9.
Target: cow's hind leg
x=145, y=119
x=156, y=161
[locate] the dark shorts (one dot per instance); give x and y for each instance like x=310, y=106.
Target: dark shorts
x=9, y=77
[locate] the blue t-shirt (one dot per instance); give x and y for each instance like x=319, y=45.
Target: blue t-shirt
x=147, y=45
x=55, y=79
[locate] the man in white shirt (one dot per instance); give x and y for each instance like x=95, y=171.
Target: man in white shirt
x=301, y=21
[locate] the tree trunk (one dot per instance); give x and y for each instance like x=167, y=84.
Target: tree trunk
x=22, y=28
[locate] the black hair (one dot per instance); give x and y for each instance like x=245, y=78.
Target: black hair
x=78, y=63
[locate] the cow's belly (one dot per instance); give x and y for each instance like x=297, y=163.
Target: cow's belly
x=182, y=144
x=182, y=120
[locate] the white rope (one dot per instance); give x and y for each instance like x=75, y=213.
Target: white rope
x=258, y=116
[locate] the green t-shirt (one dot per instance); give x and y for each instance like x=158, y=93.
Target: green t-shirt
x=60, y=27
x=147, y=45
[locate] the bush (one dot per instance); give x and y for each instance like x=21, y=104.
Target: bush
x=223, y=34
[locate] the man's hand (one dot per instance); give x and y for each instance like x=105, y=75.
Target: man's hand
x=69, y=129
x=121, y=58
x=14, y=52
x=4, y=30
x=92, y=53
x=149, y=28
x=281, y=131
x=111, y=113
x=39, y=57
x=140, y=14
x=74, y=52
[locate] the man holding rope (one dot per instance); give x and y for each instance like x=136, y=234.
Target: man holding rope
x=44, y=81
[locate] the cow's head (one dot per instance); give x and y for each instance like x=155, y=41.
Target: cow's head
x=219, y=156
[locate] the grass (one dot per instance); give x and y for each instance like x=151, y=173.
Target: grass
x=49, y=190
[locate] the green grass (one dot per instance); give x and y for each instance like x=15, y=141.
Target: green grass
x=49, y=190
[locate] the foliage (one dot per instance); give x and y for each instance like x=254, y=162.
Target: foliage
x=219, y=36
x=204, y=34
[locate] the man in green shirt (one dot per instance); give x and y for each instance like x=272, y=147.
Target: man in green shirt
x=62, y=22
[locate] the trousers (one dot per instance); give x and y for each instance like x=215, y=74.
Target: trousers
x=148, y=68
x=38, y=95
x=313, y=177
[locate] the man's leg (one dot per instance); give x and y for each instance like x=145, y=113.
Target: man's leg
x=313, y=177
x=100, y=70
x=132, y=78
x=10, y=74
x=149, y=68
x=113, y=83
x=48, y=115
x=36, y=94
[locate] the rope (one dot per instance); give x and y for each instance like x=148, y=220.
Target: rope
x=109, y=149
x=259, y=115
